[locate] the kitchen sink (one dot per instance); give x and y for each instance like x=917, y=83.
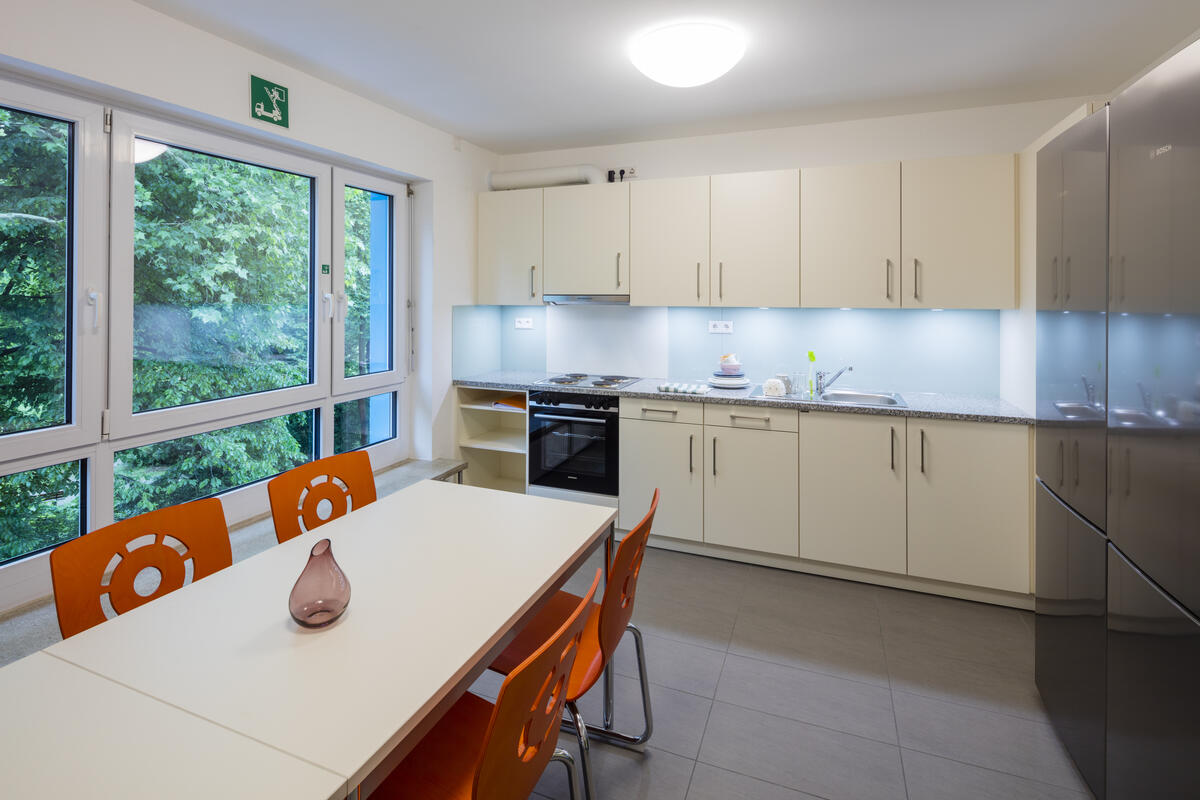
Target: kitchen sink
x=852, y=397
x=1135, y=418
x=1081, y=411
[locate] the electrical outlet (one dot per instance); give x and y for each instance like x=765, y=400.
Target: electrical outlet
x=630, y=172
x=720, y=326
x=524, y=323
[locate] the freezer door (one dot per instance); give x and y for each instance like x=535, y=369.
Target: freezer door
x=1153, y=692
x=1070, y=632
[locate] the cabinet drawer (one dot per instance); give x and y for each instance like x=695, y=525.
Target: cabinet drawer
x=662, y=410
x=758, y=418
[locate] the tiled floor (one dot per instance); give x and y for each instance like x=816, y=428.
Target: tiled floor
x=773, y=685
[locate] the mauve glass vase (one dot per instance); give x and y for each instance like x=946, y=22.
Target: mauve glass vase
x=322, y=591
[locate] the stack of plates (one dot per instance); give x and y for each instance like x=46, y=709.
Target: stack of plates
x=726, y=380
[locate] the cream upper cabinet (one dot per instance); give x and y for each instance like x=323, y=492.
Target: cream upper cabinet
x=959, y=232
x=668, y=456
x=852, y=490
x=968, y=503
x=510, y=247
x=668, y=242
x=750, y=489
x=586, y=241
x=755, y=252
x=850, y=236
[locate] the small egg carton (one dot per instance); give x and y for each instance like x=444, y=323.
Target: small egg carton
x=684, y=388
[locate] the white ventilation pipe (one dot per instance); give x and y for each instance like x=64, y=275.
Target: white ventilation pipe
x=547, y=176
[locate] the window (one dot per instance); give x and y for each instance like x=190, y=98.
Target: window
x=363, y=422
x=40, y=508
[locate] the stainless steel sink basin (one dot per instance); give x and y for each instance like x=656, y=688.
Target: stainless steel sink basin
x=1136, y=418
x=1080, y=411
x=852, y=397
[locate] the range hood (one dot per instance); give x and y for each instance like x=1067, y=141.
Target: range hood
x=585, y=299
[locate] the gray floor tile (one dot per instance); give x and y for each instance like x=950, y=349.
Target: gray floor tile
x=624, y=774
x=674, y=618
x=801, y=756
x=973, y=683
x=848, y=706
x=840, y=608
x=772, y=638
x=678, y=717
x=711, y=783
x=677, y=665
x=995, y=741
x=933, y=778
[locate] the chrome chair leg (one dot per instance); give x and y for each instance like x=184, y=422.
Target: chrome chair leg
x=568, y=761
x=616, y=737
x=585, y=750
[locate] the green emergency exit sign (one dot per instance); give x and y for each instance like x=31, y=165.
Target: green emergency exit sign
x=268, y=102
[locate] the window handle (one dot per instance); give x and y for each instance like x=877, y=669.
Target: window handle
x=95, y=299
x=343, y=304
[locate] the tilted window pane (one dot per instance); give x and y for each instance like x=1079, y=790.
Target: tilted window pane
x=223, y=269
x=35, y=262
x=39, y=508
x=358, y=423
x=368, y=269
x=176, y=471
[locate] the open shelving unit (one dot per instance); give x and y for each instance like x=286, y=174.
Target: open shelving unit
x=492, y=439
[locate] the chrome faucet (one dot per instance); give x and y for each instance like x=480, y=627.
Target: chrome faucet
x=1146, y=398
x=824, y=381
x=1089, y=390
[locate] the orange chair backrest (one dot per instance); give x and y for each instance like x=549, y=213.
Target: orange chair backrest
x=523, y=732
x=177, y=540
x=345, y=480
x=617, y=607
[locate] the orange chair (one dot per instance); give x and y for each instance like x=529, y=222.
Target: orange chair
x=480, y=751
x=192, y=533
x=600, y=639
x=297, y=494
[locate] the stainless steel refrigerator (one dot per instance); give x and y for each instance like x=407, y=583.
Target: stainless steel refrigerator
x=1118, y=438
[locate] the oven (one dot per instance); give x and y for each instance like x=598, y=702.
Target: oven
x=573, y=444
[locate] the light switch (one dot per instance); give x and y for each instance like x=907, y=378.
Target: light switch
x=524, y=323
x=720, y=326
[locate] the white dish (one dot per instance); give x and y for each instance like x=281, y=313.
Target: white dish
x=729, y=383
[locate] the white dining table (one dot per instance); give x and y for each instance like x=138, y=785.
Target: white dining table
x=441, y=576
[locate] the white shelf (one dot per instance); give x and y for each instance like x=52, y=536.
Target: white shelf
x=501, y=440
x=490, y=407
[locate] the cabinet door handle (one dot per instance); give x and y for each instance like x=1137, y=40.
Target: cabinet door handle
x=1112, y=472
x=887, y=278
x=531, y=269
x=697, y=280
x=714, y=456
x=1054, y=279
x=1121, y=282
x=1076, y=464
x=1062, y=464
x=618, y=269
x=916, y=279
x=721, y=279
x=892, y=444
x=1067, y=280
x=691, y=441
x=922, y=449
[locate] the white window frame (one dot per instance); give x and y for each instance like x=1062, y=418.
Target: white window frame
x=89, y=274
x=399, y=193
x=124, y=422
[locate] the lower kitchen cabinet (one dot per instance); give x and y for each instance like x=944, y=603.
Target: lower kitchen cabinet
x=750, y=489
x=669, y=456
x=852, y=490
x=968, y=503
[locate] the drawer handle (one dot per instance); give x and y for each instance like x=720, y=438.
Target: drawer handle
x=749, y=416
x=671, y=411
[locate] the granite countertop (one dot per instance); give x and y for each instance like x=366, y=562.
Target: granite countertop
x=928, y=405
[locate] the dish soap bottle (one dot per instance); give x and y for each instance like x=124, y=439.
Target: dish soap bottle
x=812, y=362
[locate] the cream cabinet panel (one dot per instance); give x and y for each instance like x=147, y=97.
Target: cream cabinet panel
x=586, y=241
x=510, y=247
x=850, y=236
x=756, y=418
x=668, y=242
x=968, y=503
x=662, y=410
x=755, y=253
x=959, y=232
x=750, y=490
x=669, y=457
x=852, y=490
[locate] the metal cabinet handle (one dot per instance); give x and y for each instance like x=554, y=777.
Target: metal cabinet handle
x=714, y=456
x=1067, y=280
x=721, y=279
x=916, y=279
x=922, y=449
x=1054, y=279
x=618, y=269
x=887, y=278
x=671, y=411
x=766, y=419
x=532, y=267
x=1121, y=282
x=1111, y=477
x=1062, y=463
x=697, y=280
x=892, y=444
x=691, y=440
x=1077, y=463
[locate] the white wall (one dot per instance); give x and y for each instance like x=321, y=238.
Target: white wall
x=126, y=53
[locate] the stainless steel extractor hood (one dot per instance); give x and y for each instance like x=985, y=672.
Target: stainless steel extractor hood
x=586, y=299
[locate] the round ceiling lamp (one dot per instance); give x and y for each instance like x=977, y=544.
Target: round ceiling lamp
x=685, y=54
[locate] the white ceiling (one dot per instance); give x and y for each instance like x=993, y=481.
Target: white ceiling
x=523, y=75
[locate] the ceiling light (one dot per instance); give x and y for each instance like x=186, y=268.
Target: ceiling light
x=684, y=54
x=145, y=150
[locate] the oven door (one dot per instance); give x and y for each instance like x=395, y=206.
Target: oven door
x=573, y=449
